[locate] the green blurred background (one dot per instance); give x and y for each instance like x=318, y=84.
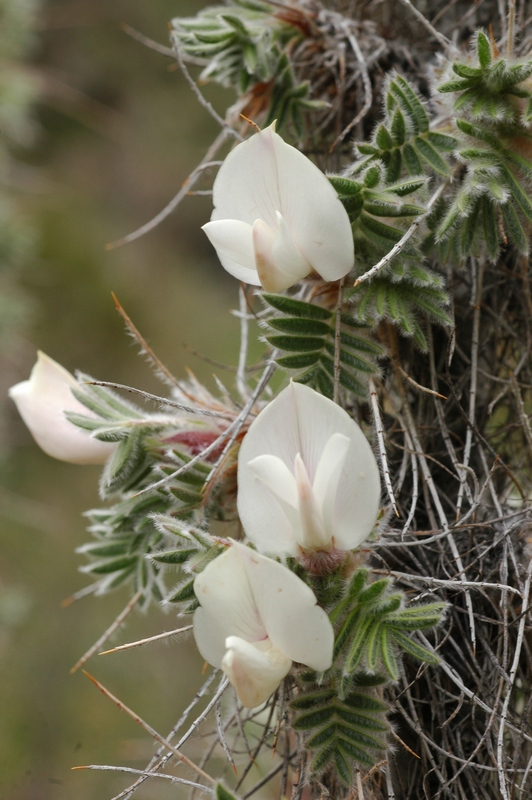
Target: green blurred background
x=112, y=133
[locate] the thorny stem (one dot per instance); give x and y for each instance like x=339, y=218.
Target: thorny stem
x=439, y=508
x=382, y=447
x=206, y=163
x=235, y=428
x=203, y=412
x=145, y=774
x=226, y=127
x=443, y=40
x=476, y=301
x=158, y=759
x=510, y=686
x=109, y=632
x=174, y=751
x=368, y=93
x=149, y=640
x=511, y=29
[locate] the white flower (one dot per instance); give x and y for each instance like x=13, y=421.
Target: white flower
x=307, y=478
x=256, y=618
x=276, y=217
x=42, y=401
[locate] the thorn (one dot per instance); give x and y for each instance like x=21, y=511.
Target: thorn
x=250, y=122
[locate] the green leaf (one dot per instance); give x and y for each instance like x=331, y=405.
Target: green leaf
x=414, y=649
x=465, y=71
x=311, y=719
x=324, y=383
x=295, y=344
x=404, y=210
x=346, y=630
x=367, y=149
x=296, y=308
x=448, y=223
x=410, y=104
x=102, y=549
x=365, y=722
x=431, y=156
x=358, y=645
x=527, y=113
x=174, y=556
x=126, y=459
x=87, y=423
x=347, y=379
x=360, y=344
x=398, y=127
x=356, y=753
x=224, y=794
x=490, y=225
x=185, y=592
x=483, y=50
x=383, y=140
x=300, y=361
x=442, y=141
x=345, y=186
x=373, y=647
x=374, y=591
x=112, y=565
x=372, y=177
x=407, y=186
x=388, y=656
x=315, y=698
x=189, y=499
x=393, y=166
x=513, y=227
x=300, y=325
x=520, y=197
x=109, y=401
x=321, y=759
x=323, y=736
x=119, y=578
x=351, y=360
x=453, y=86
x=413, y=164
x=343, y=769
x=378, y=231
x=351, y=731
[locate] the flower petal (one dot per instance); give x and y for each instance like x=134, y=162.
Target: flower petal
x=328, y=474
x=313, y=534
x=234, y=247
x=255, y=674
x=279, y=263
x=299, y=420
x=42, y=401
x=228, y=607
x=274, y=474
x=247, y=185
x=264, y=177
x=318, y=222
x=295, y=625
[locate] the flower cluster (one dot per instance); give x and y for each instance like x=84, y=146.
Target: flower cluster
x=308, y=487
x=308, y=483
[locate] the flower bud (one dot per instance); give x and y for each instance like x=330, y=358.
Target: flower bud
x=42, y=401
